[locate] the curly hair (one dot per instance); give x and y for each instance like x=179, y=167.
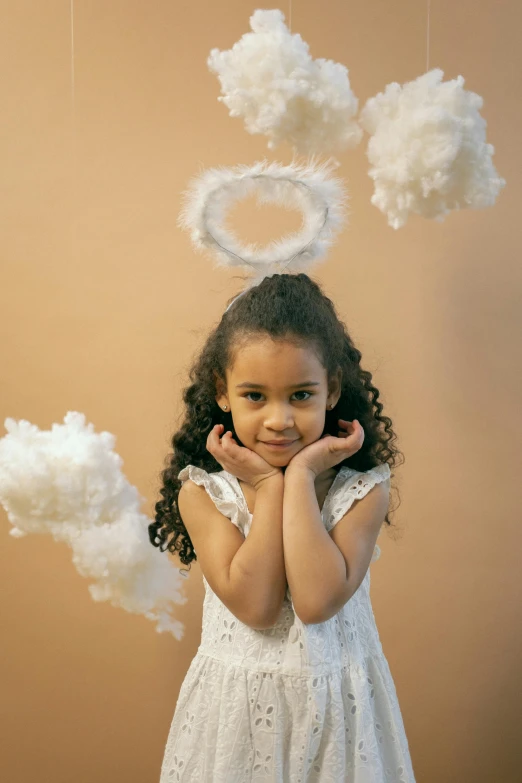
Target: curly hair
x=289, y=307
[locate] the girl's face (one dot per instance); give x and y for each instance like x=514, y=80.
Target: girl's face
x=277, y=391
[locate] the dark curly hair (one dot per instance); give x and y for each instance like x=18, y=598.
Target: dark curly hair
x=289, y=307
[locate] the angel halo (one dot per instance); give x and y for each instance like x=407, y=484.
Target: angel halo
x=308, y=187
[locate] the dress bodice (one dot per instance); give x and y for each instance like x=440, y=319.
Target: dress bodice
x=291, y=645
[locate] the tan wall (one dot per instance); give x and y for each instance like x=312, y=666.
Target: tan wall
x=103, y=303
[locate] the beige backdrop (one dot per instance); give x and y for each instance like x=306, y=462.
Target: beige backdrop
x=104, y=303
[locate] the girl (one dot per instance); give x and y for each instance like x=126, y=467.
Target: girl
x=280, y=480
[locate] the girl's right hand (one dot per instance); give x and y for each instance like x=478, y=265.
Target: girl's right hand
x=243, y=463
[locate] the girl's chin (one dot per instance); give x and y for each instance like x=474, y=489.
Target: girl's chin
x=278, y=458
x=276, y=454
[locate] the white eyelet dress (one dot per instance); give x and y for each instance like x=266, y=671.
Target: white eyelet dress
x=295, y=703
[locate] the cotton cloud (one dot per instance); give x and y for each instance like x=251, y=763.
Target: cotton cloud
x=270, y=80
x=428, y=149
x=67, y=482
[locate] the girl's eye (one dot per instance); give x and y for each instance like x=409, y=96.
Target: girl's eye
x=297, y=392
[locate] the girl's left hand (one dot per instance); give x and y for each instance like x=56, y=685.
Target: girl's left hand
x=329, y=450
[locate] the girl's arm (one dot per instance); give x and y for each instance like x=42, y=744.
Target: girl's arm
x=323, y=574
x=256, y=579
x=258, y=566
x=314, y=565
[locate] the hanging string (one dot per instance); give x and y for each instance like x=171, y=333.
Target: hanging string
x=290, y=17
x=428, y=40
x=73, y=126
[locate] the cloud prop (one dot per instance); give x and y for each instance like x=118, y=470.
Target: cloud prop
x=270, y=79
x=67, y=482
x=428, y=149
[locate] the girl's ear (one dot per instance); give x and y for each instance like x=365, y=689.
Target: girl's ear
x=221, y=396
x=335, y=387
x=222, y=401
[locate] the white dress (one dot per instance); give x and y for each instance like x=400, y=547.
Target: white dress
x=294, y=703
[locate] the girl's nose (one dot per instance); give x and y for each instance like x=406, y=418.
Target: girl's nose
x=279, y=418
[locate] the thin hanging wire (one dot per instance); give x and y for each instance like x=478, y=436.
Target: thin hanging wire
x=428, y=40
x=290, y=17
x=73, y=141
x=72, y=50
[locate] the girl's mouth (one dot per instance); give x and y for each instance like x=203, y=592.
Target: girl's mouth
x=278, y=446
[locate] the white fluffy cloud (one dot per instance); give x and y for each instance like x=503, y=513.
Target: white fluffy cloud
x=428, y=149
x=67, y=482
x=270, y=80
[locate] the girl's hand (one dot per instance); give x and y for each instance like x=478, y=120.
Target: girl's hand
x=329, y=450
x=243, y=463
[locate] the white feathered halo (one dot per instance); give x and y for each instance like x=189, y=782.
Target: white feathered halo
x=308, y=187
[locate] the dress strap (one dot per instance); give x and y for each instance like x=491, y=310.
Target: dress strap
x=356, y=485
x=221, y=490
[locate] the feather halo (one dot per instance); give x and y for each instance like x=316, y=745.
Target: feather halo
x=308, y=187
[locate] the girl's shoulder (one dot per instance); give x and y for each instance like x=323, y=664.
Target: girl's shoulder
x=376, y=474
x=223, y=488
x=219, y=478
x=352, y=486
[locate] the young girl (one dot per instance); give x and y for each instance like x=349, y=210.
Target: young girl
x=280, y=480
